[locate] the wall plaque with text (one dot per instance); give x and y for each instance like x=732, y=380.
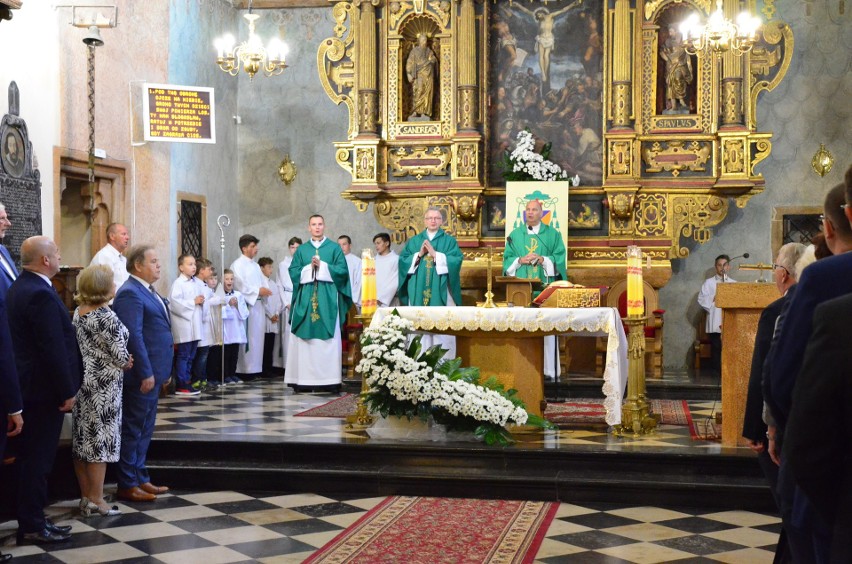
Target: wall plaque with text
x=178, y=113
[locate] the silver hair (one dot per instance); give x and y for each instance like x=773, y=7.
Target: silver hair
x=808, y=257
x=434, y=209
x=2, y=207
x=788, y=256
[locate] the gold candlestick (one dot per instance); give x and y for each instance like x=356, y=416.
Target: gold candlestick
x=361, y=415
x=489, y=295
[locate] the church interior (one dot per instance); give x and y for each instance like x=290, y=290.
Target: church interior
x=381, y=111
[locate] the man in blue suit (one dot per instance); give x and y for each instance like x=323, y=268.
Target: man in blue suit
x=821, y=281
x=50, y=370
x=10, y=390
x=146, y=316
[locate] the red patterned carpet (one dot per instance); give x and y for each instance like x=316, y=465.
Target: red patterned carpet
x=430, y=530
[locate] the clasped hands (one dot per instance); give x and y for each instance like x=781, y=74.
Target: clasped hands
x=531, y=259
x=426, y=249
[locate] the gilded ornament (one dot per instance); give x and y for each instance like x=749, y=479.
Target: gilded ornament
x=365, y=163
x=466, y=160
x=693, y=216
x=419, y=161
x=651, y=214
x=621, y=205
x=675, y=156
x=733, y=156
x=287, y=171
x=620, y=158
x=823, y=161
x=466, y=207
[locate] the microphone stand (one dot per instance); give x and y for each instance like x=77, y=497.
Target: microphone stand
x=222, y=222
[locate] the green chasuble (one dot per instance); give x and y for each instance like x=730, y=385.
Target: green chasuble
x=425, y=287
x=317, y=306
x=548, y=243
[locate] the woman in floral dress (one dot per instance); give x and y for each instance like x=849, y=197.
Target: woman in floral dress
x=96, y=417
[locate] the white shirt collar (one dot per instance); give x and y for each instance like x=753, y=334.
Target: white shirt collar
x=431, y=235
x=319, y=243
x=43, y=277
x=535, y=229
x=145, y=283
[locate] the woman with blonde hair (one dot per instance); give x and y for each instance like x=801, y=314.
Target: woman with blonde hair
x=96, y=417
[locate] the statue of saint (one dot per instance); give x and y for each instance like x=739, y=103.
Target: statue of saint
x=678, y=71
x=420, y=69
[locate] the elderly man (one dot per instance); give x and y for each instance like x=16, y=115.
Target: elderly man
x=50, y=369
x=253, y=285
x=536, y=250
x=430, y=273
x=321, y=298
x=112, y=254
x=822, y=281
x=146, y=316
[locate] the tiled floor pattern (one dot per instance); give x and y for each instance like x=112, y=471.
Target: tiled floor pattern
x=260, y=411
x=228, y=526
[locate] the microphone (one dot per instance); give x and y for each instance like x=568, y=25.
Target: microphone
x=744, y=255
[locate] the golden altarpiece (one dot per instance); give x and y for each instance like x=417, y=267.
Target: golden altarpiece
x=664, y=141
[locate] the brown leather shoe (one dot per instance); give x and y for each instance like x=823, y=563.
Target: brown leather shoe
x=135, y=494
x=152, y=489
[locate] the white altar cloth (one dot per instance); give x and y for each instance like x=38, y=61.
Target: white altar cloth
x=591, y=322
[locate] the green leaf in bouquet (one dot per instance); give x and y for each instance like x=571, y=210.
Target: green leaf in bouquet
x=447, y=367
x=415, y=347
x=432, y=355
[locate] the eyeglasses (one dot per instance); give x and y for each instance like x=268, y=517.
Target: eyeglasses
x=822, y=217
x=776, y=266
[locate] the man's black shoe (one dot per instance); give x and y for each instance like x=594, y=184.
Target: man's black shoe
x=5, y=557
x=58, y=529
x=42, y=537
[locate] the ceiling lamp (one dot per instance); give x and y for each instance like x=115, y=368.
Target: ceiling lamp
x=719, y=34
x=251, y=53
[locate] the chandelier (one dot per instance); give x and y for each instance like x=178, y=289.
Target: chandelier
x=719, y=34
x=251, y=53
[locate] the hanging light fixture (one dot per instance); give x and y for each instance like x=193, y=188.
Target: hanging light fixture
x=719, y=34
x=823, y=161
x=250, y=53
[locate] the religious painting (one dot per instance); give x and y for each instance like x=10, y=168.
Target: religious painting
x=546, y=75
x=554, y=205
x=585, y=214
x=494, y=219
x=13, y=152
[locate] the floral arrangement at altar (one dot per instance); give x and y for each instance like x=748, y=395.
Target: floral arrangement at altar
x=524, y=163
x=406, y=381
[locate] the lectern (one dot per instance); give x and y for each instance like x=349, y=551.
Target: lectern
x=518, y=290
x=741, y=305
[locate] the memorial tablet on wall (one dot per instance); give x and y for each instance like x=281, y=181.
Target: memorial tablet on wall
x=20, y=183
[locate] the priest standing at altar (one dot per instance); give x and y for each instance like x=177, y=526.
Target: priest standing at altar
x=536, y=250
x=253, y=285
x=321, y=298
x=430, y=273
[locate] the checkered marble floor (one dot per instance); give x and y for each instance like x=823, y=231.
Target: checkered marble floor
x=260, y=411
x=229, y=526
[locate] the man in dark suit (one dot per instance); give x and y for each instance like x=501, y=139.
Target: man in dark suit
x=146, y=316
x=818, y=445
x=50, y=370
x=823, y=280
x=10, y=391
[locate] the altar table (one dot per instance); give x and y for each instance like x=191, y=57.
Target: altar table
x=507, y=343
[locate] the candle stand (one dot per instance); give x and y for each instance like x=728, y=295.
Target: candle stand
x=636, y=416
x=361, y=416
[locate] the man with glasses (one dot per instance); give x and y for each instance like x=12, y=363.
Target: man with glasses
x=707, y=300
x=430, y=273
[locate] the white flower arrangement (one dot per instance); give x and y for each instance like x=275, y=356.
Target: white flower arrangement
x=406, y=383
x=523, y=163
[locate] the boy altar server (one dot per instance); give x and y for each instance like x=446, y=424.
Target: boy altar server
x=321, y=298
x=186, y=304
x=429, y=273
x=234, y=315
x=272, y=307
x=249, y=281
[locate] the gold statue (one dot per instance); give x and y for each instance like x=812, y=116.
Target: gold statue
x=678, y=71
x=420, y=69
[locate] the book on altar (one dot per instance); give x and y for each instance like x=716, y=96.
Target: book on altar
x=563, y=293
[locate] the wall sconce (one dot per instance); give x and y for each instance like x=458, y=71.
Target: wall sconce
x=287, y=171
x=822, y=161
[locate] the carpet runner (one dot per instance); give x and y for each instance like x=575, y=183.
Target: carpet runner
x=430, y=530
x=581, y=411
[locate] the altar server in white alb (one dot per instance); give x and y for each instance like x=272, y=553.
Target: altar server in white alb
x=273, y=307
x=354, y=264
x=285, y=288
x=321, y=298
x=387, y=271
x=186, y=304
x=250, y=282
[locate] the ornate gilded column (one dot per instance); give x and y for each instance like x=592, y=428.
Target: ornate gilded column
x=368, y=96
x=732, y=78
x=467, y=89
x=622, y=88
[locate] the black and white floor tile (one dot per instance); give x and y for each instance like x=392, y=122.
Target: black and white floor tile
x=229, y=526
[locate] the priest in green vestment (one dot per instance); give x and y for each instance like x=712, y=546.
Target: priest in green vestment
x=321, y=299
x=536, y=250
x=430, y=273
